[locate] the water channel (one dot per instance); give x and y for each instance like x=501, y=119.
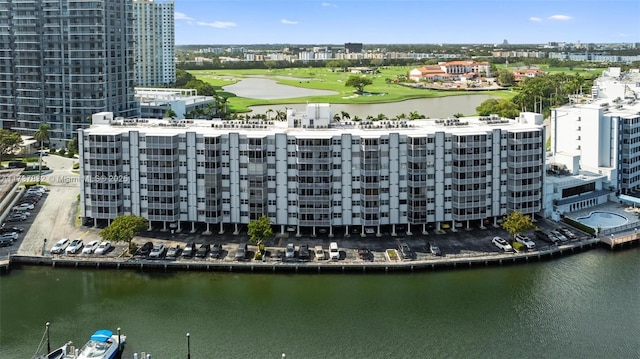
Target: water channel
x=581, y=306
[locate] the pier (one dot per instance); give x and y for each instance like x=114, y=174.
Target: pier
x=621, y=240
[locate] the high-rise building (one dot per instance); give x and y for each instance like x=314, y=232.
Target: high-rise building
x=311, y=173
x=63, y=60
x=154, y=36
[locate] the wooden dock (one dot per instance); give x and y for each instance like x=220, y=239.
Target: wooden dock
x=616, y=241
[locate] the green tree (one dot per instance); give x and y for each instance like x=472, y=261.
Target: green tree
x=123, y=228
x=72, y=146
x=516, y=222
x=269, y=112
x=170, y=113
x=10, y=142
x=42, y=136
x=259, y=229
x=502, y=107
x=359, y=82
x=506, y=78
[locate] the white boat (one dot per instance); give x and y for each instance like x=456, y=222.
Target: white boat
x=103, y=344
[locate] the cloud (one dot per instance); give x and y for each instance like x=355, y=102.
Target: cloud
x=328, y=4
x=218, y=24
x=288, y=22
x=560, y=17
x=181, y=16
x=622, y=34
x=536, y=19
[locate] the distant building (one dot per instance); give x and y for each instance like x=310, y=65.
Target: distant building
x=450, y=71
x=154, y=37
x=311, y=173
x=155, y=102
x=45, y=79
x=353, y=47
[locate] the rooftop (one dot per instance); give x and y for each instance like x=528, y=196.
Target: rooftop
x=465, y=126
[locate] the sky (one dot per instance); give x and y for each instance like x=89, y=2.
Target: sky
x=203, y=22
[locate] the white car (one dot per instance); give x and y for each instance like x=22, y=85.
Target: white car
x=23, y=207
x=103, y=248
x=90, y=247
x=334, y=252
x=290, y=251
x=501, y=243
x=75, y=246
x=559, y=235
x=319, y=253
x=158, y=251
x=522, y=239
x=60, y=246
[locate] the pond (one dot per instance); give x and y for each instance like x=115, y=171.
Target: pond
x=440, y=107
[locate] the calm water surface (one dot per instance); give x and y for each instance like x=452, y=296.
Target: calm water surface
x=582, y=306
x=439, y=107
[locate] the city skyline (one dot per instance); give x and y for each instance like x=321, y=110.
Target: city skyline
x=406, y=21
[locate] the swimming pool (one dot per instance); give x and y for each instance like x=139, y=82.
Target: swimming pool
x=603, y=220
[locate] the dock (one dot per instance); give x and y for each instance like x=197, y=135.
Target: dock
x=621, y=240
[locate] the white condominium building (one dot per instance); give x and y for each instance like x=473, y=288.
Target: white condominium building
x=311, y=173
x=154, y=36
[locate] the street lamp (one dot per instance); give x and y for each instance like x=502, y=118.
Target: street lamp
x=188, y=346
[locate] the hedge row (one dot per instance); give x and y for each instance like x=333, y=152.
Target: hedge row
x=581, y=226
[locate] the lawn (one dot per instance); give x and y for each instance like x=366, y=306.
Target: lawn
x=576, y=70
x=382, y=90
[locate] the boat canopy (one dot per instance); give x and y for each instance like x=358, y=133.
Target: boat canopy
x=102, y=335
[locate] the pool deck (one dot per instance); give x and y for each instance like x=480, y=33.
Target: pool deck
x=615, y=237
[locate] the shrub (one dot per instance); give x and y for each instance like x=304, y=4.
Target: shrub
x=31, y=159
x=581, y=226
x=62, y=152
x=517, y=246
x=69, y=154
x=76, y=166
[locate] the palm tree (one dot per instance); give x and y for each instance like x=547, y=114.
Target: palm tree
x=345, y=115
x=269, y=112
x=42, y=136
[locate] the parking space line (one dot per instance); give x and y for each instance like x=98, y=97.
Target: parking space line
x=83, y=234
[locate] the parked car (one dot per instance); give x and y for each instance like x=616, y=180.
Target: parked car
x=145, y=250
x=567, y=233
x=318, y=251
x=559, y=235
x=433, y=249
x=13, y=236
x=547, y=237
x=60, y=246
x=28, y=214
x=75, y=246
x=405, y=251
x=303, y=251
x=103, y=247
x=502, y=244
x=189, y=250
x=23, y=207
x=5, y=242
x=17, y=217
x=90, y=247
x=334, y=251
x=216, y=250
x=174, y=252
x=364, y=253
x=6, y=229
x=158, y=251
x=241, y=252
x=526, y=241
x=290, y=251
x=203, y=250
